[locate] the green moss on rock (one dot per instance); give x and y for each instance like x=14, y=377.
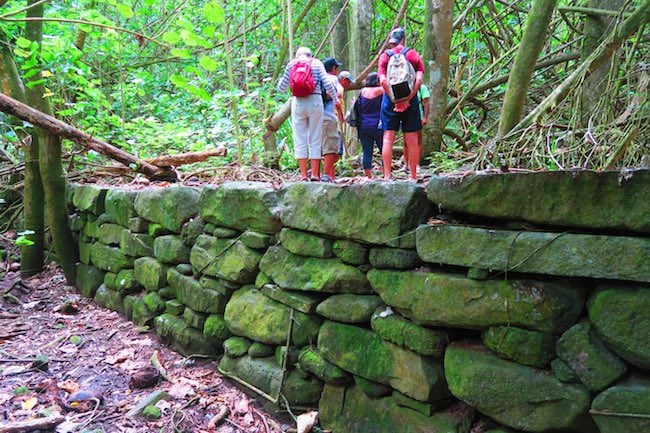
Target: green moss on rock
x=110, y=234
x=403, y=332
x=108, y=298
x=191, y=230
x=349, y=308
x=189, y=292
x=394, y=258
x=150, y=273
x=533, y=348
x=632, y=397
x=154, y=303
x=236, y=346
x=225, y=258
x=119, y=205
x=88, y=280
x=303, y=302
x=261, y=350
x=257, y=240
x=312, y=361
x=136, y=244
x=170, y=207
x=351, y=252
x=174, y=307
x=171, y=249
x=306, y=244
x=563, y=372
x=215, y=329
x=174, y=332
x=194, y=318
x=109, y=258
x=89, y=198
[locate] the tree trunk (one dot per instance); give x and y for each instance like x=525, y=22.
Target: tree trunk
x=361, y=34
x=437, y=43
x=31, y=256
x=50, y=165
x=594, y=86
x=340, y=40
x=532, y=42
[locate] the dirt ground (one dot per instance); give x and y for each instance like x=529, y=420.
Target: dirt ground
x=98, y=357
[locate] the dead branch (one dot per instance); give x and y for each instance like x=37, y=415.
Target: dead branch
x=186, y=158
x=32, y=424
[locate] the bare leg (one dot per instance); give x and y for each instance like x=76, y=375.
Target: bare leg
x=302, y=163
x=315, y=168
x=414, y=152
x=330, y=160
x=368, y=172
x=387, y=152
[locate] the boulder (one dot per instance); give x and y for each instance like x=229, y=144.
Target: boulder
x=563, y=254
x=389, y=209
x=533, y=348
x=394, y=258
x=108, y=298
x=312, y=361
x=291, y=271
x=351, y=252
x=89, y=198
x=349, y=308
x=251, y=314
x=136, y=244
x=109, y=258
x=515, y=395
x=215, y=329
x=225, y=258
x=630, y=397
x=595, y=365
x=120, y=206
x=150, y=273
x=306, y=244
x=590, y=199
x=450, y=300
x=403, y=332
x=621, y=317
x=180, y=336
x=171, y=249
x=88, y=280
x=303, y=302
x=189, y=292
x=257, y=240
x=242, y=206
x=170, y=207
x=366, y=354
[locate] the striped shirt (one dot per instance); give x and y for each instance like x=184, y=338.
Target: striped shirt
x=317, y=70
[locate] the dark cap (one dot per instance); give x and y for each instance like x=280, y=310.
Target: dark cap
x=331, y=63
x=397, y=35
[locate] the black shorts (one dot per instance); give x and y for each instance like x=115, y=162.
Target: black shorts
x=409, y=120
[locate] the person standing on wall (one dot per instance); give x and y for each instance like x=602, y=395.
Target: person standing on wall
x=304, y=76
x=401, y=70
x=332, y=120
x=368, y=113
x=423, y=97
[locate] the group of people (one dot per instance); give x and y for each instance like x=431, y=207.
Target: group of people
x=389, y=101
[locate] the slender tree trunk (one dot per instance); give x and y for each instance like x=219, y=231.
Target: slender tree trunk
x=437, y=44
x=50, y=165
x=340, y=40
x=596, y=27
x=531, y=43
x=361, y=34
x=31, y=256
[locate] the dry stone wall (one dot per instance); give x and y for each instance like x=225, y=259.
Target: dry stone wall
x=391, y=306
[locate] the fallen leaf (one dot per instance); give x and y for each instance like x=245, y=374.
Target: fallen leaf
x=119, y=357
x=29, y=403
x=241, y=406
x=181, y=390
x=69, y=386
x=248, y=419
x=67, y=427
x=306, y=421
x=13, y=369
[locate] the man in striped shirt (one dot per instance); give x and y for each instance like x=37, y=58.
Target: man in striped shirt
x=307, y=114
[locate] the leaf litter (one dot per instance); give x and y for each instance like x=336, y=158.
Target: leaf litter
x=100, y=366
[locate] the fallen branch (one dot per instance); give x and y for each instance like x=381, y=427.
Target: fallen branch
x=38, y=118
x=32, y=424
x=186, y=158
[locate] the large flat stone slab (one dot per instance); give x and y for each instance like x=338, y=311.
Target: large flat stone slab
x=564, y=254
x=119, y=204
x=228, y=259
x=631, y=397
x=170, y=207
x=389, y=210
x=450, y=300
x=350, y=410
x=515, y=395
x=601, y=200
x=242, y=206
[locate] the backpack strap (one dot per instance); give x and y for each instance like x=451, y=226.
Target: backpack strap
x=390, y=53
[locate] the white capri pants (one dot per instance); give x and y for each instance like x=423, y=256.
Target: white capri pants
x=307, y=125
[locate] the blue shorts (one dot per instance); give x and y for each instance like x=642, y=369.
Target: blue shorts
x=409, y=120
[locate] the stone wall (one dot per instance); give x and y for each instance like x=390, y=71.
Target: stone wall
x=391, y=306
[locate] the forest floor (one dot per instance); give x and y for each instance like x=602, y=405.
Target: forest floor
x=57, y=347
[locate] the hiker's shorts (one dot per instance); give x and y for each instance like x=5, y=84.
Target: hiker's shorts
x=408, y=120
x=330, y=136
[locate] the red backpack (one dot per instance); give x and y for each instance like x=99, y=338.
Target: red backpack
x=301, y=80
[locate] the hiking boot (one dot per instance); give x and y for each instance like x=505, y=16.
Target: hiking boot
x=325, y=178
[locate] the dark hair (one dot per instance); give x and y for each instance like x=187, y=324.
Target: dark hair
x=372, y=80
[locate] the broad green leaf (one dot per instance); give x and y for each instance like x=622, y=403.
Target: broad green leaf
x=208, y=31
x=201, y=93
x=23, y=43
x=178, y=80
x=208, y=63
x=194, y=70
x=213, y=12
x=22, y=53
x=182, y=53
x=125, y=10
x=171, y=37
x=22, y=241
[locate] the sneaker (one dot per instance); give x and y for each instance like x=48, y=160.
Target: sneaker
x=325, y=178
x=314, y=179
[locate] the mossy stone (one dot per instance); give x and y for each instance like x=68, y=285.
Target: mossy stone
x=221, y=232
x=191, y=230
x=150, y=273
x=306, y=244
x=184, y=268
x=189, y=292
x=563, y=372
x=126, y=283
x=291, y=271
x=85, y=249
x=478, y=274
x=364, y=353
x=109, y=258
x=138, y=225
x=167, y=292
x=262, y=279
x=257, y=240
x=154, y=303
x=394, y=258
x=251, y=314
x=174, y=332
x=236, y=346
x=225, y=258
x=154, y=230
x=109, y=280
x=349, y=308
x=312, y=361
x=89, y=198
x=91, y=230
x=77, y=223
x=136, y=244
x=515, y=395
x=403, y=332
x=303, y=302
x=242, y=206
x=194, y=318
x=108, y=298
x=224, y=287
x=171, y=249
x=533, y=348
x=119, y=204
x=595, y=365
x=215, y=329
x=174, y=307
x=128, y=302
x=141, y=315
x=351, y=252
x=619, y=315
x=370, y=388
x=260, y=350
x=449, y=300
x=88, y=280
x=631, y=396
x=292, y=356
x=151, y=412
x=419, y=406
x=352, y=411
x=170, y=207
